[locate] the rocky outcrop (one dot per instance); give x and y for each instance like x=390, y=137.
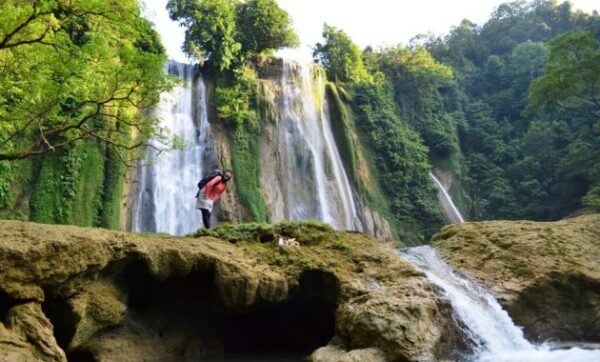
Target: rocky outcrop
x=89, y=294
x=547, y=275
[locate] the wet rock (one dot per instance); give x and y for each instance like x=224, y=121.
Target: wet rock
x=407, y=321
x=547, y=275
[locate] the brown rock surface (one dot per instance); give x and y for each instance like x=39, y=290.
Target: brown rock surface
x=546, y=274
x=103, y=295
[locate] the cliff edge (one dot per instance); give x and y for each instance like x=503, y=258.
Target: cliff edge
x=97, y=295
x=546, y=274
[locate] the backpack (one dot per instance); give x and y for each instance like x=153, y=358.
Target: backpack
x=206, y=179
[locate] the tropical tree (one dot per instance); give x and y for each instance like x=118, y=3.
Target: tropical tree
x=225, y=33
x=572, y=78
x=340, y=56
x=76, y=70
x=211, y=32
x=264, y=26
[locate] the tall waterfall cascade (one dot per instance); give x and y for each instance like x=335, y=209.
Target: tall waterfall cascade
x=311, y=175
x=308, y=174
x=315, y=184
x=165, y=202
x=448, y=207
x=487, y=327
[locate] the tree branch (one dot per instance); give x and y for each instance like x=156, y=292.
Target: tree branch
x=32, y=17
x=30, y=41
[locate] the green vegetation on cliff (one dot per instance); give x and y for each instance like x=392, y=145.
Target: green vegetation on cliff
x=73, y=187
x=397, y=151
x=78, y=81
x=401, y=160
x=230, y=35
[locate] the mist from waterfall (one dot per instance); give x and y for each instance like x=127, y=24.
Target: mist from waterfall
x=316, y=185
x=165, y=202
x=487, y=328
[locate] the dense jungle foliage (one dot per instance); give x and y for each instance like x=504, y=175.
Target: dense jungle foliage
x=510, y=108
x=77, y=82
x=526, y=106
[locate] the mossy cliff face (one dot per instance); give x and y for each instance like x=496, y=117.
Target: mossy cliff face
x=278, y=156
x=90, y=294
x=547, y=275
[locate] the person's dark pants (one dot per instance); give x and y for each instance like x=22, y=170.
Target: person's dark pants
x=205, y=218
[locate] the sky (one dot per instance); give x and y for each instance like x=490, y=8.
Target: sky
x=367, y=22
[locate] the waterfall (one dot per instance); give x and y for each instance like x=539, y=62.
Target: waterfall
x=487, y=327
x=165, y=202
x=309, y=171
x=450, y=210
x=341, y=178
x=316, y=185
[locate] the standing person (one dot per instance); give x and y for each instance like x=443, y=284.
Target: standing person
x=211, y=189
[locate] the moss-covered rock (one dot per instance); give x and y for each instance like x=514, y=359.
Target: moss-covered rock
x=104, y=295
x=547, y=275
x=26, y=335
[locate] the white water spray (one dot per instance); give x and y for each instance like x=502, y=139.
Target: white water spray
x=487, y=326
x=450, y=210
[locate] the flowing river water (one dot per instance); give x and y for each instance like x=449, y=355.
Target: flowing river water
x=488, y=328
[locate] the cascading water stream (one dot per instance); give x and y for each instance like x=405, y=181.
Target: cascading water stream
x=309, y=148
x=487, y=327
x=450, y=210
x=343, y=185
x=165, y=202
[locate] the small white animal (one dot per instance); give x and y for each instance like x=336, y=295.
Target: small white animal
x=288, y=242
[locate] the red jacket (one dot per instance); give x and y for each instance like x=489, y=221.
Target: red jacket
x=214, y=188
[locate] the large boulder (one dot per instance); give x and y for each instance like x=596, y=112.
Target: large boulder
x=91, y=294
x=546, y=274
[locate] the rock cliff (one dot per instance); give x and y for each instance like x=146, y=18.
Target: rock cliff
x=97, y=295
x=546, y=274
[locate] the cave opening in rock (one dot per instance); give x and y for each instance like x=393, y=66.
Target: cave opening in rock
x=184, y=319
x=63, y=320
x=295, y=327
x=6, y=303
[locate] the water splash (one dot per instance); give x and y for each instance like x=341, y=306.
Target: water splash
x=487, y=327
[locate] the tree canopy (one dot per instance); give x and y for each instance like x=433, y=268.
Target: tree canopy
x=340, y=56
x=510, y=107
x=263, y=26
x=572, y=77
x=225, y=33
x=523, y=102
x=76, y=70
